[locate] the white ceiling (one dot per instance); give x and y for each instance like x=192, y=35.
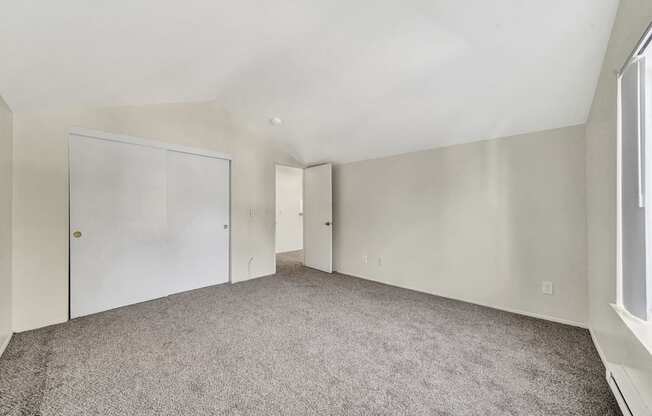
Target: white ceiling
x=351, y=79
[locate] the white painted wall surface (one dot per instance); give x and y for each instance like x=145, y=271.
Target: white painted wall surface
x=614, y=339
x=484, y=222
x=289, y=200
x=6, y=151
x=40, y=239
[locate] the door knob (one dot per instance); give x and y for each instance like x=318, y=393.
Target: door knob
x=327, y=223
x=77, y=234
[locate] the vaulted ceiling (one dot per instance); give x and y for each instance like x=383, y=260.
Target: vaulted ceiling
x=351, y=79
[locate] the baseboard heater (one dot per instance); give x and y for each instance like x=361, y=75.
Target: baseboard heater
x=628, y=397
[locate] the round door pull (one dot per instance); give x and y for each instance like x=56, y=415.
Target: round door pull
x=77, y=234
x=327, y=223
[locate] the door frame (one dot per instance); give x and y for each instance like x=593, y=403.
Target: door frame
x=121, y=138
x=287, y=165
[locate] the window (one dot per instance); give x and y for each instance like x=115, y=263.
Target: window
x=635, y=181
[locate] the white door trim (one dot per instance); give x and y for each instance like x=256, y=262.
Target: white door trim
x=96, y=134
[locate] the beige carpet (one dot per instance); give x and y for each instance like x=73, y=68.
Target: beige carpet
x=303, y=342
x=290, y=263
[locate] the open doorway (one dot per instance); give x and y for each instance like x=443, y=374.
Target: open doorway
x=289, y=218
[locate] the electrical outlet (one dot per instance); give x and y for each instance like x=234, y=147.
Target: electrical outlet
x=546, y=288
x=365, y=259
x=251, y=260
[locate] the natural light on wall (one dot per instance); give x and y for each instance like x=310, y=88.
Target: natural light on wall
x=635, y=182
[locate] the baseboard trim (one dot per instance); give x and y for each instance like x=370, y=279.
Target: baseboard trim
x=256, y=276
x=622, y=387
x=598, y=348
x=3, y=347
x=500, y=308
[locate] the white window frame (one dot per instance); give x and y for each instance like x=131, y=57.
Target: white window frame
x=643, y=47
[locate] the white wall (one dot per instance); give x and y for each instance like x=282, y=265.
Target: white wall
x=40, y=238
x=6, y=143
x=289, y=196
x=613, y=338
x=484, y=222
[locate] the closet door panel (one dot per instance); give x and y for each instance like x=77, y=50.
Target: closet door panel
x=198, y=220
x=118, y=224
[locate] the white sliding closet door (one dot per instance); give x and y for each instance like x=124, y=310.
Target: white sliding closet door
x=118, y=204
x=146, y=221
x=198, y=220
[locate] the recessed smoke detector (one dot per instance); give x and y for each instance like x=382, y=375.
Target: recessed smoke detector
x=275, y=121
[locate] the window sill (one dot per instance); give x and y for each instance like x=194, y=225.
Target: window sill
x=642, y=330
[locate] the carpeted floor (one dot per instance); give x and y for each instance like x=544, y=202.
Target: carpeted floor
x=290, y=263
x=303, y=342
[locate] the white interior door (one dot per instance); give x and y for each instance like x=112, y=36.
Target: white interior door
x=145, y=222
x=318, y=217
x=198, y=221
x=118, y=205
